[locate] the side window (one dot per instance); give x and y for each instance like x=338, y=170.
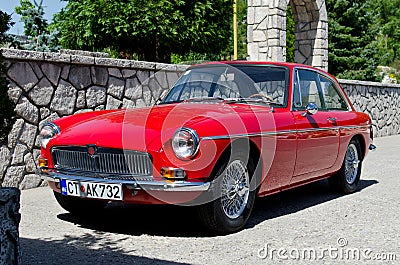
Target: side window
x=306, y=89
x=333, y=100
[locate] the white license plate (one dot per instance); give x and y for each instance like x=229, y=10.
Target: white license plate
x=94, y=190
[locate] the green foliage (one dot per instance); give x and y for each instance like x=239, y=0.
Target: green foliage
x=388, y=27
x=290, y=35
x=352, y=51
x=36, y=27
x=150, y=30
x=7, y=115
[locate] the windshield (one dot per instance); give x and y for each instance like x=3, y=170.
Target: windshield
x=244, y=83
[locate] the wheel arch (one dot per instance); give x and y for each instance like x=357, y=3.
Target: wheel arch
x=362, y=143
x=254, y=154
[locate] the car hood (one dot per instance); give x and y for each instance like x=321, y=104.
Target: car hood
x=137, y=129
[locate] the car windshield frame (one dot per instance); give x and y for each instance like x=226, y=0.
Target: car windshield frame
x=247, y=74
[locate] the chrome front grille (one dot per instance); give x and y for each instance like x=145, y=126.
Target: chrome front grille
x=105, y=161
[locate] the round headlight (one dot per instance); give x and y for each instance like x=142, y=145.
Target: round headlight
x=48, y=131
x=185, y=143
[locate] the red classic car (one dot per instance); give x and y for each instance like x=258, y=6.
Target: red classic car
x=224, y=134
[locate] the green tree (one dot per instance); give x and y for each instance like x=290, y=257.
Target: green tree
x=151, y=30
x=36, y=27
x=7, y=115
x=352, y=51
x=388, y=27
x=290, y=34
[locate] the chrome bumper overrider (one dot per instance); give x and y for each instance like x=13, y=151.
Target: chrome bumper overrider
x=130, y=184
x=372, y=147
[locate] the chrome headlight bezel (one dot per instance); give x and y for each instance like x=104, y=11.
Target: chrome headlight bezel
x=185, y=143
x=49, y=130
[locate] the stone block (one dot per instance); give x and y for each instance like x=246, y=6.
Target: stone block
x=79, y=59
x=27, y=110
x=113, y=103
x=25, y=81
x=18, y=155
x=128, y=104
x=116, y=87
x=115, y=72
x=28, y=135
x=133, y=89
x=14, y=92
x=41, y=94
x=259, y=36
x=127, y=73
x=99, y=75
x=260, y=13
x=79, y=76
x=5, y=159
x=13, y=176
x=64, y=99
x=30, y=164
x=52, y=72
x=95, y=96
x=81, y=100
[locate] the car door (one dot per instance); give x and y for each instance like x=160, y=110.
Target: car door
x=317, y=134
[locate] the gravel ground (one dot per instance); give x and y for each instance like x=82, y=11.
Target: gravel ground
x=307, y=225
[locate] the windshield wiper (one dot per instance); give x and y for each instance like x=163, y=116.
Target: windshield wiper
x=170, y=102
x=204, y=99
x=248, y=100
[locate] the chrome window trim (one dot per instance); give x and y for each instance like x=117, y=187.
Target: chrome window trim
x=340, y=91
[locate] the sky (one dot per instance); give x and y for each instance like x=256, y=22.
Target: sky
x=50, y=7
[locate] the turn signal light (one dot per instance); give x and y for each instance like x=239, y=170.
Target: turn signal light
x=43, y=163
x=173, y=173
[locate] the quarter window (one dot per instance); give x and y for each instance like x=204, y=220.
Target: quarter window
x=333, y=100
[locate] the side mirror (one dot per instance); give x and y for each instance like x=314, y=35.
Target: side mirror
x=311, y=109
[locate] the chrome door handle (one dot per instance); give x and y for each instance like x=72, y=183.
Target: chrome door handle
x=331, y=119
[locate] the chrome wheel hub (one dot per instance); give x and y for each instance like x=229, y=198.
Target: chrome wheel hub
x=351, y=164
x=235, y=189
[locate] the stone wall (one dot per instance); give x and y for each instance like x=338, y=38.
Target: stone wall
x=46, y=86
x=380, y=101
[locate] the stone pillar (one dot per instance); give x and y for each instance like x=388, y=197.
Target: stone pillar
x=266, y=31
x=9, y=222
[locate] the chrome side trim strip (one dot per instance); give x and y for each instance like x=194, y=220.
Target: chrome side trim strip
x=219, y=137
x=131, y=184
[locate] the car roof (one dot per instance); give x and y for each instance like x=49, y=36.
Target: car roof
x=285, y=64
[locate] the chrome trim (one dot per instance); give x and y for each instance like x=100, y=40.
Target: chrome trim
x=130, y=184
x=219, y=137
x=52, y=125
x=196, y=141
x=311, y=109
x=105, y=161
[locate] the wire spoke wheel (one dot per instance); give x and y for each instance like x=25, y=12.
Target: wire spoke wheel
x=351, y=164
x=347, y=178
x=235, y=189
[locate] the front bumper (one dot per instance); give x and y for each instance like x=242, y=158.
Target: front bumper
x=153, y=185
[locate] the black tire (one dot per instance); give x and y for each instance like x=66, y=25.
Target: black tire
x=213, y=214
x=79, y=206
x=347, y=178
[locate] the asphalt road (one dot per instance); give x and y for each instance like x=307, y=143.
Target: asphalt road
x=307, y=225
